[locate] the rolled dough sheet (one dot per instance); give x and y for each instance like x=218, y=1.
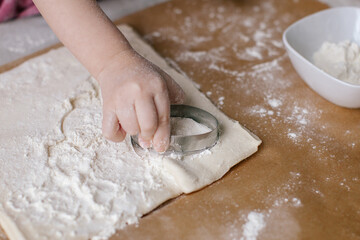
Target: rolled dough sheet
x=59, y=179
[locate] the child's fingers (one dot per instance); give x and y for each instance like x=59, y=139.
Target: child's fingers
x=162, y=136
x=147, y=118
x=128, y=119
x=111, y=128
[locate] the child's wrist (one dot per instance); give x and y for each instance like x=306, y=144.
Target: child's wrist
x=120, y=58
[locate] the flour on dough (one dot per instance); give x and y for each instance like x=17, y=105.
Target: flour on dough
x=59, y=178
x=187, y=126
x=340, y=60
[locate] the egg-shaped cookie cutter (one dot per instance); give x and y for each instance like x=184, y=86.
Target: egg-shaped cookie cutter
x=188, y=144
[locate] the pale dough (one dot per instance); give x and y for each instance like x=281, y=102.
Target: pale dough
x=59, y=179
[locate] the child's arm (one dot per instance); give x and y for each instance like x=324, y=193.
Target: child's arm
x=135, y=92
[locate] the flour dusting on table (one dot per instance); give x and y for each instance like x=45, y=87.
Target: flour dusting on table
x=254, y=224
x=239, y=55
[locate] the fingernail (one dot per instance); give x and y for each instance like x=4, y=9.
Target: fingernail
x=144, y=144
x=161, y=146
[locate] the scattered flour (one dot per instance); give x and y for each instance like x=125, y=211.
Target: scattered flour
x=292, y=135
x=262, y=111
x=340, y=60
x=295, y=202
x=187, y=126
x=255, y=223
x=259, y=71
x=221, y=100
x=274, y=102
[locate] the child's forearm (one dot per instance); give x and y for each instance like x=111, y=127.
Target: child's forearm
x=84, y=29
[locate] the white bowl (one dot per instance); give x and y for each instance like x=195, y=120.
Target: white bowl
x=303, y=38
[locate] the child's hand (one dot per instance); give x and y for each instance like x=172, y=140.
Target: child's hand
x=136, y=94
x=136, y=100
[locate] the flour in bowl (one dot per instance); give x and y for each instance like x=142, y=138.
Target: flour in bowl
x=340, y=60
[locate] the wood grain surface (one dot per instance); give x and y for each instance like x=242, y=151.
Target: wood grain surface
x=304, y=183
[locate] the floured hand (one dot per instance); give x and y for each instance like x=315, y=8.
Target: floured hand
x=136, y=94
x=136, y=100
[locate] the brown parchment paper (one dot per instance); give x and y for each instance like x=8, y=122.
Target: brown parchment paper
x=304, y=183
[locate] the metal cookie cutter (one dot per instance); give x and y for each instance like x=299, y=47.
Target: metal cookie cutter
x=190, y=144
